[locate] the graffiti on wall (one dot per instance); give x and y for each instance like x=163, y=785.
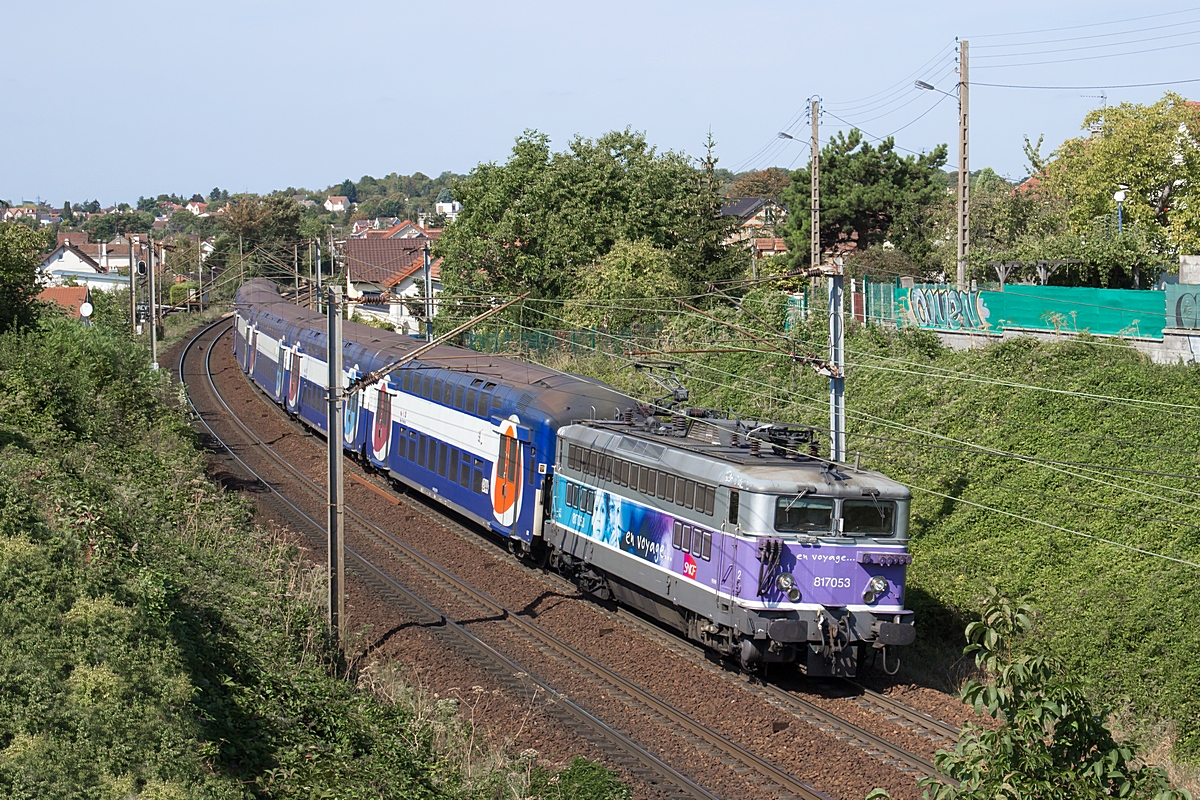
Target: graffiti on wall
x=946, y=309
x=1187, y=310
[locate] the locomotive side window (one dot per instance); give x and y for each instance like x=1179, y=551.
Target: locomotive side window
x=797, y=514
x=608, y=468
x=572, y=495
x=668, y=493
x=734, y=502
x=706, y=549
x=868, y=517
x=689, y=494
x=677, y=535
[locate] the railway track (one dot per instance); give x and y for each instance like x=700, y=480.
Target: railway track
x=636, y=759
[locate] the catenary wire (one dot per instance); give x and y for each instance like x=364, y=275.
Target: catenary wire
x=1085, y=47
x=1086, y=25
x=1088, y=58
x=1088, y=37
x=880, y=421
x=1033, y=520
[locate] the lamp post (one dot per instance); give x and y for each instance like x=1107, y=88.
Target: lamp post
x=964, y=174
x=1119, y=196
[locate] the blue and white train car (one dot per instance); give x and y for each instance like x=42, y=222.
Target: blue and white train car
x=475, y=432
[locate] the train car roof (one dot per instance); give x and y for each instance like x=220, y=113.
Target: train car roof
x=563, y=397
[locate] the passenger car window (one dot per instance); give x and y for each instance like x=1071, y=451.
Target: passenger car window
x=868, y=517
x=796, y=514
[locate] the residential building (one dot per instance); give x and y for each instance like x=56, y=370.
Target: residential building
x=197, y=208
x=450, y=209
x=767, y=247
x=336, y=203
x=755, y=215
x=70, y=264
x=391, y=271
x=69, y=297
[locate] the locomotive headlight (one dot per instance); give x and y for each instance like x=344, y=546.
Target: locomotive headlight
x=785, y=582
x=875, y=587
x=793, y=595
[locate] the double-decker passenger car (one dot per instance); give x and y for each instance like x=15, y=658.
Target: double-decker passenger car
x=730, y=531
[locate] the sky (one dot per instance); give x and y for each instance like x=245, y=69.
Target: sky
x=114, y=100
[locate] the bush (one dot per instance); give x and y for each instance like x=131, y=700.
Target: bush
x=153, y=643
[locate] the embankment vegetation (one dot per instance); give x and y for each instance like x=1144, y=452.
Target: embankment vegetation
x=154, y=643
x=1023, y=457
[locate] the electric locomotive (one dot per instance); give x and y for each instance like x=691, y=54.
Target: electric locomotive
x=728, y=530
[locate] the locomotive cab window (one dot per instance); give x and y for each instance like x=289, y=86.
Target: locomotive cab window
x=734, y=502
x=799, y=514
x=868, y=517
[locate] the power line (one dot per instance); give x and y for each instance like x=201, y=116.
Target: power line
x=1087, y=25
x=1108, y=86
x=1089, y=46
x=1021, y=517
x=1092, y=36
x=1090, y=58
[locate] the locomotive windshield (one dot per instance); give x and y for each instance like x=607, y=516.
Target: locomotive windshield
x=799, y=514
x=868, y=517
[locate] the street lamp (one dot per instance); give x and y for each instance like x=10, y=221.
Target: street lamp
x=783, y=135
x=1119, y=196
x=964, y=174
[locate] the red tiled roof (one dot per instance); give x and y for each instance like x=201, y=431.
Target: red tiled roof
x=768, y=245
x=76, y=237
x=69, y=297
x=386, y=261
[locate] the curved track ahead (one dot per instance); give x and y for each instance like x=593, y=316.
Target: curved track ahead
x=622, y=750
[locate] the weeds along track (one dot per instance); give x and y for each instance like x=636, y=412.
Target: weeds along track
x=714, y=759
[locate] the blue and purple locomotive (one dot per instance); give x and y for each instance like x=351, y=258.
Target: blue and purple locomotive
x=725, y=529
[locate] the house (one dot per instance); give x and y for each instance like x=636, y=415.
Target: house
x=336, y=203
x=449, y=209
x=77, y=237
x=13, y=213
x=71, y=298
x=754, y=215
x=197, y=208
x=767, y=247
x=405, y=229
x=390, y=270
x=70, y=264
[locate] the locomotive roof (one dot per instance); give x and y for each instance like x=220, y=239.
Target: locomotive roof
x=732, y=466
x=561, y=396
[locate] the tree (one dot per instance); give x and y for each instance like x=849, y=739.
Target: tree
x=103, y=227
x=868, y=195
x=531, y=223
x=627, y=283
x=148, y=204
x=1048, y=742
x=68, y=216
x=444, y=196
x=348, y=190
x=770, y=182
x=19, y=251
x=1154, y=151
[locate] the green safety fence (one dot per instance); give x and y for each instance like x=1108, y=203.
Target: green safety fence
x=1075, y=309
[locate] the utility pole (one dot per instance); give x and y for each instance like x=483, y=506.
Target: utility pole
x=837, y=362
x=296, y=268
x=964, y=173
x=317, y=242
x=816, y=186
x=200, y=273
x=132, y=287
x=428, y=298
x=153, y=297
x=333, y=436
x=241, y=262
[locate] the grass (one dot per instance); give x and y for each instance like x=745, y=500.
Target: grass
x=156, y=644
x=1120, y=620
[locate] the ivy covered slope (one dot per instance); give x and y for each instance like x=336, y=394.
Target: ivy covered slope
x=1125, y=622
x=152, y=643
